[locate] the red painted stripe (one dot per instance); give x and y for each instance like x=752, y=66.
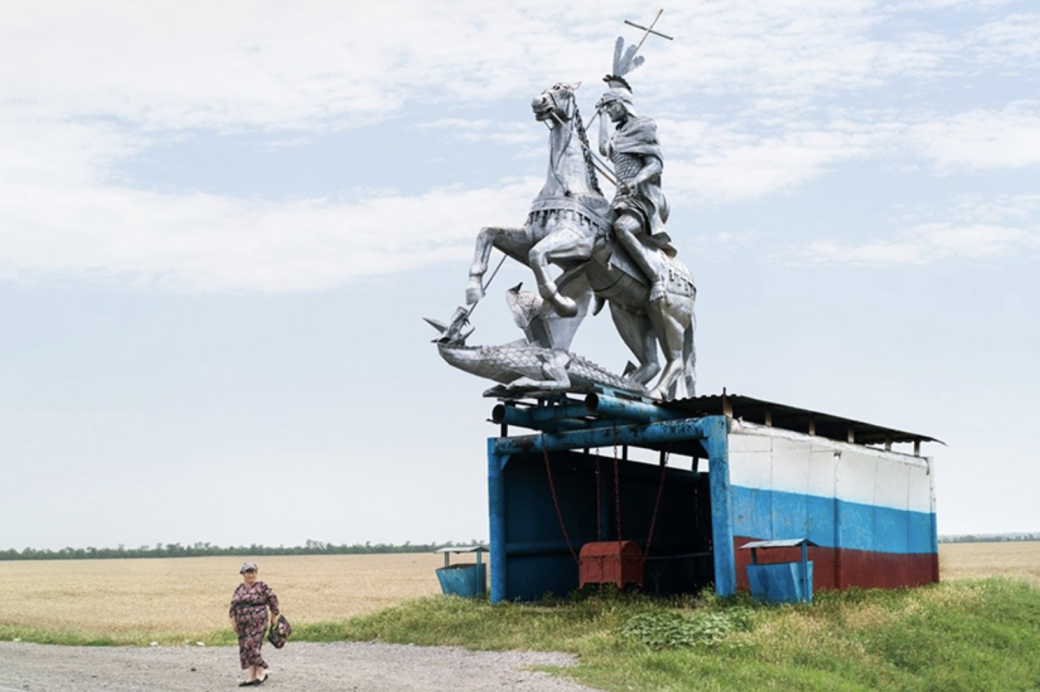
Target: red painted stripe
x=841, y=569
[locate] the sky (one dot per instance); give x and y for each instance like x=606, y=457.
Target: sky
x=222, y=222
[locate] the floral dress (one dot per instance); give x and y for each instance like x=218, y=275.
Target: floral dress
x=249, y=607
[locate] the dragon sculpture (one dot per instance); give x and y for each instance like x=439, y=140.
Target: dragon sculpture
x=522, y=367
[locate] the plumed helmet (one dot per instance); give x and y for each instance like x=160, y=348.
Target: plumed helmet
x=625, y=60
x=619, y=91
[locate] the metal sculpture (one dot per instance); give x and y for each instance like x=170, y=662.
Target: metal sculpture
x=523, y=368
x=615, y=251
x=565, y=216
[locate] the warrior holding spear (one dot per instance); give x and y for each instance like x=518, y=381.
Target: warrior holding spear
x=639, y=208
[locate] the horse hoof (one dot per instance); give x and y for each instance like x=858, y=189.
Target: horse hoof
x=661, y=392
x=474, y=294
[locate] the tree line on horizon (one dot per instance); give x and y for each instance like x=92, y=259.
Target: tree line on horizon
x=990, y=537
x=200, y=549
x=311, y=547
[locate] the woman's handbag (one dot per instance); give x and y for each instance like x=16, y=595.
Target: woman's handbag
x=280, y=632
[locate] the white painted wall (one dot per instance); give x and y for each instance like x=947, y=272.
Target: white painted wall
x=769, y=458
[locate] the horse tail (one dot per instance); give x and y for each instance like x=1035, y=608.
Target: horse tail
x=690, y=358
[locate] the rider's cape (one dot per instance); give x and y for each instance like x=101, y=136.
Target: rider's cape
x=638, y=137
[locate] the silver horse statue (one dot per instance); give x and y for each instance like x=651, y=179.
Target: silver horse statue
x=564, y=218
x=569, y=226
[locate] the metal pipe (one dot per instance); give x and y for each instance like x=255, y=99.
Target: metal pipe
x=636, y=435
x=638, y=411
x=535, y=417
x=508, y=415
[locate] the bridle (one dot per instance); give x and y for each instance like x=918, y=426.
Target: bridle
x=568, y=111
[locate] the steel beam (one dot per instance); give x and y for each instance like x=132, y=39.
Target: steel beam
x=635, y=435
x=574, y=416
x=497, y=523
x=711, y=431
x=716, y=443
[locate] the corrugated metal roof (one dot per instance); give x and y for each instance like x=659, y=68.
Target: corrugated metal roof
x=796, y=419
x=463, y=549
x=781, y=543
x=549, y=413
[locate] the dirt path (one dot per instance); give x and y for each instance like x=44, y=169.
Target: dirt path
x=338, y=667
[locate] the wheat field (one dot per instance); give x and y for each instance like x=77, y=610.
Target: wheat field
x=191, y=595
x=169, y=597
x=1013, y=559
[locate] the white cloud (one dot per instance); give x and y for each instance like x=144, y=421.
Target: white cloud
x=967, y=227
x=63, y=215
x=59, y=154
x=981, y=139
x=917, y=5
x=73, y=75
x=486, y=131
x=975, y=208
x=1011, y=43
x=759, y=156
x=785, y=50
x=718, y=164
x=278, y=65
x=926, y=244
x=208, y=243
x=315, y=65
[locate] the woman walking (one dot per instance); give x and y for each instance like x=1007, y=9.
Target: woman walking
x=249, y=616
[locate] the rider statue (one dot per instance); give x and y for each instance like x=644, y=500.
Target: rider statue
x=639, y=210
x=615, y=253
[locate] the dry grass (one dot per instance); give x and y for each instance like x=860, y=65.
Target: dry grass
x=1012, y=559
x=164, y=598
x=191, y=595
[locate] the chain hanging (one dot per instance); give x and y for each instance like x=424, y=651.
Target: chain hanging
x=599, y=502
x=657, y=502
x=556, y=501
x=617, y=486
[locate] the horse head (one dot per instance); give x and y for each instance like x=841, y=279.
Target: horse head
x=556, y=103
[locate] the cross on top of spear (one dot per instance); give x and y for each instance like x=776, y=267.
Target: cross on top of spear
x=626, y=60
x=649, y=30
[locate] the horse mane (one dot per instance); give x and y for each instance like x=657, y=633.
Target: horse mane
x=587, y=151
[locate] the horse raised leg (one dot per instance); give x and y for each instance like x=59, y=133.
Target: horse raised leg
x=515, y=242
x=563, y=243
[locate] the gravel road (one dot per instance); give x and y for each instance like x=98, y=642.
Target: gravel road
x=303, y=667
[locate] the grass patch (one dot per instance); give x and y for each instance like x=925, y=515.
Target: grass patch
x=958, y=636
x=39, y=635
x=955, y=637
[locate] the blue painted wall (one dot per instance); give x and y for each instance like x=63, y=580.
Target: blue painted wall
x=775, y=514
x=536, y=559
